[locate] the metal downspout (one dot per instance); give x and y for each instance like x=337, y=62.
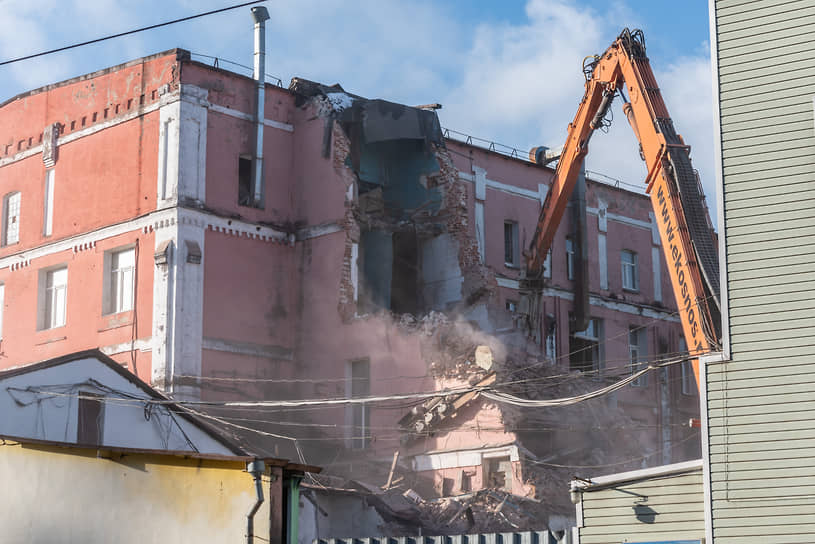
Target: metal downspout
x=260, y=15
x=256, y=468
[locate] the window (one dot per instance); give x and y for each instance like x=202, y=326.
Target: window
x=48, y=210
x=631, y=277
x=466, y=481
x=512, y=256
x=11, y=219
x=551, y=339
x=499, y=473
x=585, y=354
x=90, y=419
x=570, y=258
x=637, y=353
x=511, y=305
x=688, y=377
x=245, y=196
x=119, y=287
x=359, y=374
x=53, y=298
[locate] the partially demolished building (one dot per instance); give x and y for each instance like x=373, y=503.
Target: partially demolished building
x=362, y=254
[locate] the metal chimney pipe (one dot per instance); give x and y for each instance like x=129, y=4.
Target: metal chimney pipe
x=260, y=15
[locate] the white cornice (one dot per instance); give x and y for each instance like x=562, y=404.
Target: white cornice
x=188, y=93
x=618, y=306
x=149, y=223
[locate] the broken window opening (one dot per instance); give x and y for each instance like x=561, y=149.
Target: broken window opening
x=405, y=297
x=512, y=253
x=466, y=481
x=550, y=340
x=499, y=473
x=637, y=349
x=447, y=487
x=11, y=218
x=585, y=352
x=569, y=258
x=245, y=197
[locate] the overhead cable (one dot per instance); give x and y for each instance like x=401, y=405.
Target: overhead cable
x=488, y=391
x=134, y=31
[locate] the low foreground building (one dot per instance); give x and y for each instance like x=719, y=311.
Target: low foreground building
x=90, y=453
x=660, y=504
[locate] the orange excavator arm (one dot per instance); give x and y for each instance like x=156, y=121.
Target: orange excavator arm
x=676, y=195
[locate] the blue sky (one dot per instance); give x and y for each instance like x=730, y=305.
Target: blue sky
x=508, y=71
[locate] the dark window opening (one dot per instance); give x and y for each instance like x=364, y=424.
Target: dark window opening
x=245, y=181
x=405, y=273
x=360, y=374
x=511, y=246
x=91, y=420
x=466, y=481
x=447, y=487
x=570, y=258
x=499, y=473
x=584, y=348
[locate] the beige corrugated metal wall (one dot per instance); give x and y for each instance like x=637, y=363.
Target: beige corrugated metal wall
x=761, y=404
x=669, y=507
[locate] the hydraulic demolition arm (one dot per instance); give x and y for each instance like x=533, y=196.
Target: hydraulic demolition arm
x=676, y=194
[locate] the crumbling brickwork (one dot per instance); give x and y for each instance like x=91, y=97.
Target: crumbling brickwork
x=479, y=280
x=347, y=291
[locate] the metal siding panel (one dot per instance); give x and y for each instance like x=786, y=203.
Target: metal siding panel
x=753, y=58
x=789, y=267
x=745, y=20
x=788, y=173
x=756, y=146
x=750, y=261
x=745, y=35
x=677, y=501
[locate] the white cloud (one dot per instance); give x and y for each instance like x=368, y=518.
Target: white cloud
x=521, y=85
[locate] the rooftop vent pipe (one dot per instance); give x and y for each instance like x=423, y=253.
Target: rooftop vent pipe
x=260, y=15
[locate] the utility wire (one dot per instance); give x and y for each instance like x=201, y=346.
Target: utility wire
x=127, y=33
x=487, y=391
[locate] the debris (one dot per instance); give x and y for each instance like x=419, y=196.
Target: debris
x=393, y=467
x=483, y=357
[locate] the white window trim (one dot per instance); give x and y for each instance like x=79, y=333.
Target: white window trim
x=110, y=304
x=633, y=266
x=570, y=259
x=516, y=246
x=6, y=241
x=596, y=326
x=46, y=300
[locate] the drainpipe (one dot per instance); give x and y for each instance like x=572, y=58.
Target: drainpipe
x=256, y=468
x=260, y=15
